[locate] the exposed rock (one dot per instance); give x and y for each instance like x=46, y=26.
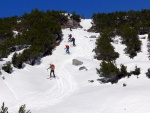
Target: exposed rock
x=72, y=24
x=76, y=62
x=143, y=37
x=3, y=78
x=33, y=61
x=93, y=36
x=91, y=81
x=124, y=85
x=83, y=67
x=107, y=80
x=115, y=41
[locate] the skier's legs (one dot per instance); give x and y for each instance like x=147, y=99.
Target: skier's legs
x=73, y=43
x=53, y=73
x=67, y=50
x=50, y=73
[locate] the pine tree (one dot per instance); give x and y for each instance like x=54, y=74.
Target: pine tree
x=7, y=67
x=104, y=50
x=108, y=70
x=3, y=109
x=22, y=109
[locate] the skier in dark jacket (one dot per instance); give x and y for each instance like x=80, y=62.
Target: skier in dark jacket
x=69, y=39
x=73, y=40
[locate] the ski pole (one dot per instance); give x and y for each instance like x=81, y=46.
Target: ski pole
x=47, y=72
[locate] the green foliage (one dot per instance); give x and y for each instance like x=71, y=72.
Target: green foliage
x=130, y=38
x=37, y=35
x=123, y=71
x=3, y=51
x=126, y=24
x=148, y=73
x=7, y=67
x=128, y=33
x=136, y=19
x=17, y=61
x=6, y=27
x=3, y=109
x=136, y=71
x=109, y=31
x=76, y=17
x=57, y=15
x=108, y=70
x=22, y=109
x=104, y=50
x=38, y=31
x=111, y=73
x=149, y=36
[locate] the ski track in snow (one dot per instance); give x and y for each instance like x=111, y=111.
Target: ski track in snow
x=40, y=98
x=65, y=85
x=13, y=92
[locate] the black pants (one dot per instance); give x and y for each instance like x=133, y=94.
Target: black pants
x=74, y=43
x=52, y=71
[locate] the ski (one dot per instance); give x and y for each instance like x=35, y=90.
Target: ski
x=67, y=53
x=73, y=45
x=49, y=78
x=52, y=78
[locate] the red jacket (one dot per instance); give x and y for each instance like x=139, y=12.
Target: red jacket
x=52, y=66
x=67, y=47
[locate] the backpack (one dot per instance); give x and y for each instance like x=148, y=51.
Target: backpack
x=52, y=66
x=67, y=46
x=70, y=35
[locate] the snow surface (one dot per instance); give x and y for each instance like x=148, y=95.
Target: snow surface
x=72, y=92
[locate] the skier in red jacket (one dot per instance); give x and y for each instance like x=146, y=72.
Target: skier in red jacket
x=67, y=49
x=52, y=67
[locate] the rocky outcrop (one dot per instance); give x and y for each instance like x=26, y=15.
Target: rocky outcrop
x=76, y=62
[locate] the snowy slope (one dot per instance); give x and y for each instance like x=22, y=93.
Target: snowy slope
x=72, y=93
